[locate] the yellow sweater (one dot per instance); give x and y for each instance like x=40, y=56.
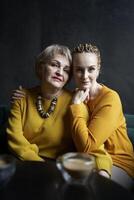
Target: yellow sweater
x=106, y=125
x=31, y=137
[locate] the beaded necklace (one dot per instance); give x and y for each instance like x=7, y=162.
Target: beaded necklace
x=40, y=109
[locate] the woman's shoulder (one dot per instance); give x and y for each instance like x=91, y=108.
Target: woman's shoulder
x=67, y=93
x=31, y=91
x=108, y=96
x=30, y=95
x=107, y=91
x=65, y=98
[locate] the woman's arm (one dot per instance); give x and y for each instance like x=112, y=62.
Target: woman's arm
x=18, y=144
x=89, y=135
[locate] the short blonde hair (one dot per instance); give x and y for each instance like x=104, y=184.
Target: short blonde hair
x=88, y=48
x=48, y=53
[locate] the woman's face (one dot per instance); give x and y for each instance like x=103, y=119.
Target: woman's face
x=85, y=69
x=56, y=72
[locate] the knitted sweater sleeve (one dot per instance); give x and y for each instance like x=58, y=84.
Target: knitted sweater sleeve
x=90, y=135
x=17, y=142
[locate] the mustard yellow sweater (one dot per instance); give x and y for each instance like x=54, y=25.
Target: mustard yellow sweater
x=31, y=137
x=106, y=125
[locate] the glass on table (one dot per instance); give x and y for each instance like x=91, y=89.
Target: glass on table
x=76, y=167
x=7, y=168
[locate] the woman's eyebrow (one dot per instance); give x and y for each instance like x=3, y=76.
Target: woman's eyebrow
x=56, y=61
x=80, y=66
x=92, y=66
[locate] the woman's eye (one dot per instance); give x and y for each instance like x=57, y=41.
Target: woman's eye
x=54, y=65
x=67, y=70
x=91, y=69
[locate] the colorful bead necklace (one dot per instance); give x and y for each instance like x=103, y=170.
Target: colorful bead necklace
x=40, y=109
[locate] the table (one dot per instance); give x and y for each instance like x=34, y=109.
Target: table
x=37, y=181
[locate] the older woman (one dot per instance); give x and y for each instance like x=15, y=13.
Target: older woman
x=106, y=123
x=39, y=125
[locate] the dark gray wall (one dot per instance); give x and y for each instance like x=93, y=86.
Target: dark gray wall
x=26, y=27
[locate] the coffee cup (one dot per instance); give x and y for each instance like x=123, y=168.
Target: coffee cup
x=76, y=167
x=7, y=168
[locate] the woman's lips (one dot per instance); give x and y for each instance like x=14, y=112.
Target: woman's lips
x=85, y=83
x=57, y=79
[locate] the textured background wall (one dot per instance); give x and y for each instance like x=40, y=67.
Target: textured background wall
x=26, y=27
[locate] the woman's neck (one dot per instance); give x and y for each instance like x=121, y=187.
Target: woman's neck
x=95, y=90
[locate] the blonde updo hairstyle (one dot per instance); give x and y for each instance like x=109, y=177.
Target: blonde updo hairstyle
x=88, y=48
x=48, y=53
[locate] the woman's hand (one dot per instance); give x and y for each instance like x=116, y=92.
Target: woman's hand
x=17, y=94
x=80, y=96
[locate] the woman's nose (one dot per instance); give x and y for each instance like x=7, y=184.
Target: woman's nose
x=59, y=71
x=85, y=74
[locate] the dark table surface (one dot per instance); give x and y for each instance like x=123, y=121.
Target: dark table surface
x=38, y=181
